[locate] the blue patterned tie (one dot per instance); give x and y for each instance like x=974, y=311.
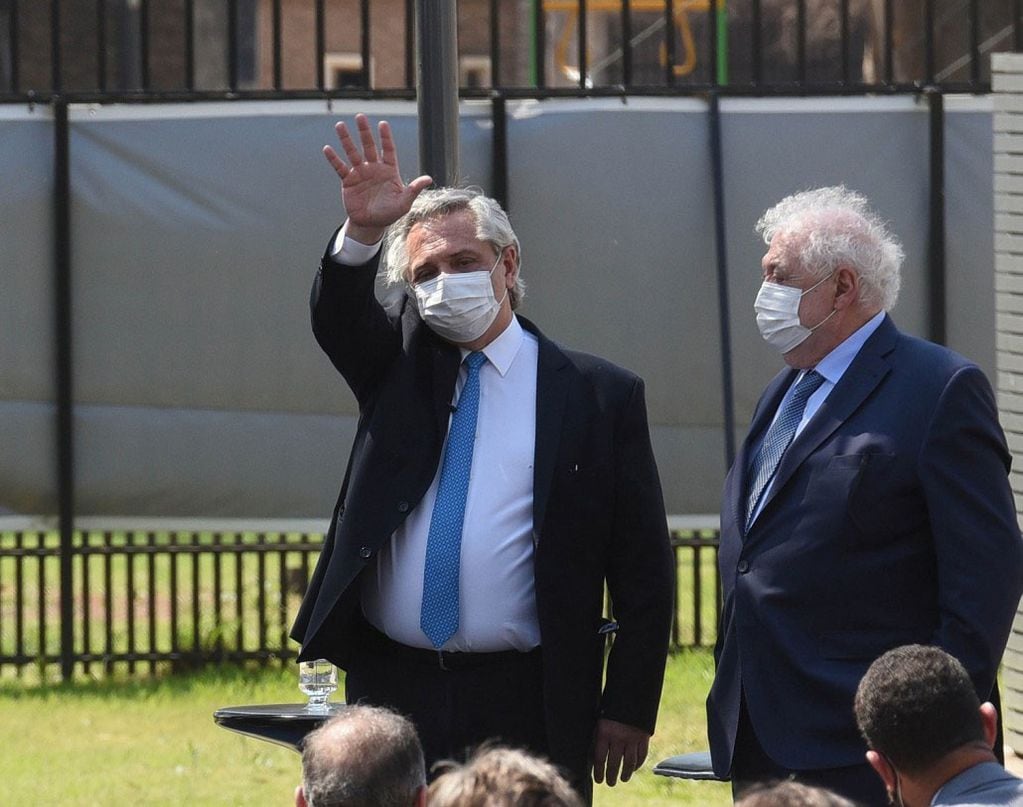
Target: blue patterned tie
x=439, y=617
x=777, y=440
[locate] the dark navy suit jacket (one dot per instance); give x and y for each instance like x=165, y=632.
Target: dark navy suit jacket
x=890, y=521
x=598, y=513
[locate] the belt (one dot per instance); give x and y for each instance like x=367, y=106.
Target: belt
x=384, y=645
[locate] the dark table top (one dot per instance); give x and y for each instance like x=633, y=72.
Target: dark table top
x=286, y=724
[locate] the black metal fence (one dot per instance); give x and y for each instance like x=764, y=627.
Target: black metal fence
x=247, y=48
x=152, y=600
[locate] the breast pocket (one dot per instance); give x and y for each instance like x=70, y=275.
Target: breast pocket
x=885, y=501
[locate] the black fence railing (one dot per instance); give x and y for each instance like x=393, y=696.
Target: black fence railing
x=249, y=48
x=145, y=601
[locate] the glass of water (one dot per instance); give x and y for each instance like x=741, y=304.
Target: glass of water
x=317, y=679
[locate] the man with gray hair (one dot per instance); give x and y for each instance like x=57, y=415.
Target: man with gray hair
x=869, y=507
x=365, y=756
x=497, y=482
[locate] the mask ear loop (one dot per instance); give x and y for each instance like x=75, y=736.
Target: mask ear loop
x=500, y=257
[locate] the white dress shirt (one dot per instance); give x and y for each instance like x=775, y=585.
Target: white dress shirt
x=497, y=601
x=832, y=367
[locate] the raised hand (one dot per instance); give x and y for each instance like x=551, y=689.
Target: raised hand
x=373, y=193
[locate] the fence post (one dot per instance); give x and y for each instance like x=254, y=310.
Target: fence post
x=65, y=443
x=437, y=89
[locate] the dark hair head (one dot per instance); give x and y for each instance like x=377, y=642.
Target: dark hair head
x=916, y=704
x=790, y=794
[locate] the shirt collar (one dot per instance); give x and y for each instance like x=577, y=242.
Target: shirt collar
x=834, y=365
x=501, y=352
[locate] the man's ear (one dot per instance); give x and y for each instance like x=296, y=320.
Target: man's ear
x=882, y=769
x=847, y=287
x=989, y=720
x=421, y=796
x=510, y=264
x=300, y=797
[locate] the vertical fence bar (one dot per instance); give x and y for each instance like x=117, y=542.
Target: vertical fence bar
x=499, y=151
x=889, y=42
x=277, y=44
x=583, y=64
x=974, y=44
x=41, y=653
x=282, y=602
x=101, y=45
x=19, y=601
x=936, y=257
x=720, y=242
x=495, y=44
x=129, y=596
x=144, y=42
x=712, y=44
x=86, y=559
x=1017, y=25
x=676, y=630
x=56, y=79
x=232, y=44
x=321, y=46
x=437, y=89
x=190, y=45
x=239, y=587
x=365, y=43
x=698, y=590
x=218, y=559
x=755, y=25
x=196, y=648
x=410, y=44
x=539, y=45
x=929, y=41
x=844, y=24
x=172, y=557
x=65, y=401
x=12, y=26
x=261, y=560
x=801, y=40
x=151, y=575
x=108, y=603
x=626, y=43
x=669, y=42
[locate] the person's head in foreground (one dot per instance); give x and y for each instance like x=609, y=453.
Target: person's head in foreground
x=365, y=756
x=923, y=723
x=790, y=794
x=502, y=777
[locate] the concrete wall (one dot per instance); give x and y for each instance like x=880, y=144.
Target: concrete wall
x=196, y=230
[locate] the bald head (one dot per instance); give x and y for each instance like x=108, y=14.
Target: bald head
x=365, y=756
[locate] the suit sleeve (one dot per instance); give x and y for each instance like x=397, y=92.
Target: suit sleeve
x=639, y=575
x=350, y=324
x=964, y=466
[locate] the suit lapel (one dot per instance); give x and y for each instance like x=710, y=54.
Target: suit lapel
x=552, y=382
x=861, y=378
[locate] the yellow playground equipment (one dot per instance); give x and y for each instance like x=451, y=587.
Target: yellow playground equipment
x=680, y=14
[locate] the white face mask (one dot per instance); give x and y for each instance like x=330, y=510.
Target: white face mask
x=777, y=310
x=459, y=306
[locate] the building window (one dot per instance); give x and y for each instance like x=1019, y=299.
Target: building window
x=344, y=70
x=474, y=72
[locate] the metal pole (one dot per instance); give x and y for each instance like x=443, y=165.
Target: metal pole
x=437, y=89
x=724, y=309
x=936, y=257
x=499, y=160
x=65, y=443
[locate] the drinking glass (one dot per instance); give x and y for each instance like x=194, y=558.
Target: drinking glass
x=317, y=679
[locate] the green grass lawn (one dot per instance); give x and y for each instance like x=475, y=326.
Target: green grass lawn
x=154, y=742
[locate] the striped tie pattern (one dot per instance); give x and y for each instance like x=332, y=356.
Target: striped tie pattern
x=777, y=440
x=439, y=616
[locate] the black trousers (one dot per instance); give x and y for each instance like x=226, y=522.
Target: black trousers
x=471, y=699
x=752, y=765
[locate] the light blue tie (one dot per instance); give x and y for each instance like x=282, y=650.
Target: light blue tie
x=777, y=440
x=439, y=617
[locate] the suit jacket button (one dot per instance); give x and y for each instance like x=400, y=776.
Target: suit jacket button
x=403, y=507
x=365, y=552
x=743, y=566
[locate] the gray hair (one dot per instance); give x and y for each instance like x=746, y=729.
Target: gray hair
x=365, y=756
x=496, y=776
x=836, y=227
x=492, y=226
